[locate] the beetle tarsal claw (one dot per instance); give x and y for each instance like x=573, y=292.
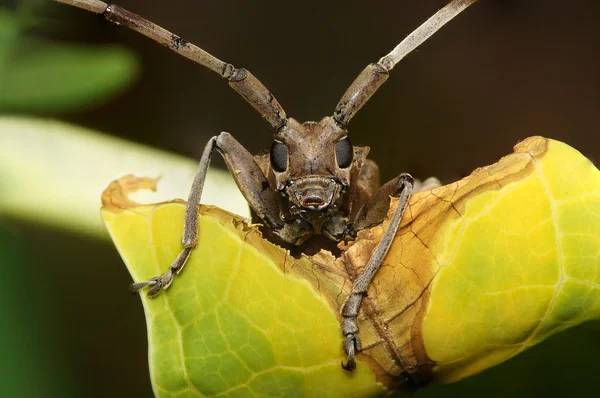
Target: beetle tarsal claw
x=158, y=283
x=162, y=282
x=137, y=286
x=351, y=346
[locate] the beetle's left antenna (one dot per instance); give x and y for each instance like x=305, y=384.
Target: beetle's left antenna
x=374, y=75
x=240, y=80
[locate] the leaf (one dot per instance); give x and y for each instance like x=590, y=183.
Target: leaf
x=53, y=173
x=491, y=264
x=244, y=321
x=43, y=76
x=480, y=270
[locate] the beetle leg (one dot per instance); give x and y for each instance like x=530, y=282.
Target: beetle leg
x=376, y=208
x=251, y=182
x=404, y=184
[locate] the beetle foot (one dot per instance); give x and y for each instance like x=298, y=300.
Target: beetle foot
x=350, y=329
x=351, y=346
x=351, y=342
x=162, y=282
x=158, y=283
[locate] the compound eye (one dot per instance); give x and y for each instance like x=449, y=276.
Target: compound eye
x=279, y=156
x=344, y=152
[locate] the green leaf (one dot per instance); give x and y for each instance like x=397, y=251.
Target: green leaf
x=44, y=76
x=238, y=324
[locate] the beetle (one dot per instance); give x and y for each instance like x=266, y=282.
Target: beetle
x=313, y=182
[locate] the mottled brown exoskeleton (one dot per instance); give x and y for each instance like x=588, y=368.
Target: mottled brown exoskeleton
x=313, y=181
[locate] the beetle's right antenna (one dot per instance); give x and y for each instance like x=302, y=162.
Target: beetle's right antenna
x=240, y=80
x=374, y=75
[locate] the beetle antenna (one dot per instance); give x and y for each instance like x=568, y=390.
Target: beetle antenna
x=240, y=80
x=374, y=75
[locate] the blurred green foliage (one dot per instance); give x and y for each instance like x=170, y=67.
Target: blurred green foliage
x=29, y=365
x=43, y=76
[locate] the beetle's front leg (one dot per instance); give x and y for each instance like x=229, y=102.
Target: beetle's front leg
x=251, y=182
x=403, y=186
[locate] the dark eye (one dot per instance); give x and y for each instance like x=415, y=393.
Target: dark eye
x=344, y=152
x=279, y=156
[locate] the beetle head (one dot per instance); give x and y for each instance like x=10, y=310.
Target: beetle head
x=312, y=164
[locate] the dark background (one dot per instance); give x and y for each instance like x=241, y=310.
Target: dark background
x=502, y=71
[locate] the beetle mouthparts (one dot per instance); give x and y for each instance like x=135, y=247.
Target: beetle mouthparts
x=313, y=193
x=313, y=201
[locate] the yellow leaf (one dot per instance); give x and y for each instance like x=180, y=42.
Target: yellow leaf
x=479, y=270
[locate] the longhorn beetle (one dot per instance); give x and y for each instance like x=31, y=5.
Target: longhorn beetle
x=313, y=181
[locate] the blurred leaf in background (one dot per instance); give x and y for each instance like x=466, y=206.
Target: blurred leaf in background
x=43, y=76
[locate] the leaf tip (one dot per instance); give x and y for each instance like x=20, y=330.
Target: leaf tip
x=536, y=146
x=116, y=195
